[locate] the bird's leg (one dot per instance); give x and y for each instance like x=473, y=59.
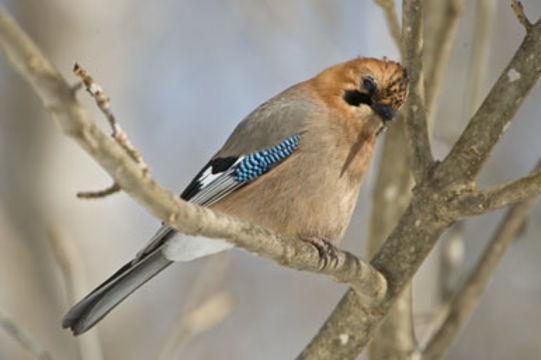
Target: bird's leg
x=325, y=249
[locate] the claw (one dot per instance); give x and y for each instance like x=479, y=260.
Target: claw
x=325, y=249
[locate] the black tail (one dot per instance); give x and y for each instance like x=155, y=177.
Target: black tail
x=87, y=312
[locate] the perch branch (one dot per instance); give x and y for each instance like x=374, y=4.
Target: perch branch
x=354, y=320
x=59, y=100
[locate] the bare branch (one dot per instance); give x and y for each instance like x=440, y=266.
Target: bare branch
x=70, y=263
x=100, y=193
x=416, y=120
x=482, y=202
x=118, y=134
x=428, y=215
x=17, y=333
x=354, y=320
x=398, y=259
x=468, y=296
x=474, y=146
x=389, y=10
x=518, y=9
x=441, y=22
x=185, y=217
x=104, y=105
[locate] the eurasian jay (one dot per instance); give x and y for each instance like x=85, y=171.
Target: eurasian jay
x=294, y=166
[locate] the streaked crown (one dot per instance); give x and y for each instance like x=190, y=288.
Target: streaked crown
x=380, y=84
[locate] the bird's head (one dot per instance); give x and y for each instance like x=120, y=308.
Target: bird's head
x=365, y=83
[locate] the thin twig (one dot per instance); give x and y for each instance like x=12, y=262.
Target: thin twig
x=482, y=202
x=416, y=120
x=26, y=342
x=389, y=9
x=518, y=9
x=104, y=105
x=70, y=263
x=468, y=296
x=118, y=134
x=100, y=193
x=183, y=216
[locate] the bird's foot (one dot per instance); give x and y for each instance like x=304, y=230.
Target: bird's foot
x=327, y=251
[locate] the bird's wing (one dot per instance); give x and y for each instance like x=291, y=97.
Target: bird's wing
x=259, y=143
x=266, y=137
x=222, y=176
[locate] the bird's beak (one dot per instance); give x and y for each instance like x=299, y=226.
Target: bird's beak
x=385, y=111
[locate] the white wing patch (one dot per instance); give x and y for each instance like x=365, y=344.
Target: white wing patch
x=181, y=247
x=219, y=178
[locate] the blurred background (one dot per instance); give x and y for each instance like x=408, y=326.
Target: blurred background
x=180, y=75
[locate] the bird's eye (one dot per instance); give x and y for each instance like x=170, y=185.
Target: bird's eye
x=369, y=84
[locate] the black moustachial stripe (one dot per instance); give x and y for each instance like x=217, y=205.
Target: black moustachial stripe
x=355, y=98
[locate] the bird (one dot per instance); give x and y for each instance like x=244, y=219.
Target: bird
x=294, y=166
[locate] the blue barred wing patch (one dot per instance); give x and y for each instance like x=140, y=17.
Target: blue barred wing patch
x=222, y=176
x=256, y=164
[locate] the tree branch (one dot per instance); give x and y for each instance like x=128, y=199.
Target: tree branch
x=428, y=214
x=469, y=295
x=482, y=202
x=416, y=120
x=354, y=320
x=60, y=101
x=474, y=146
x=518, y=9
